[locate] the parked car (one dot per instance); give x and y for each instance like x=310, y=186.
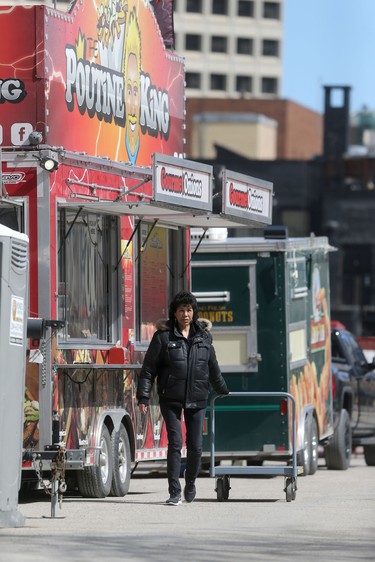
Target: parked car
x=353, y=380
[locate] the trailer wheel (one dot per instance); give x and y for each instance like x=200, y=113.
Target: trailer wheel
x=314, y=446
x=369, y=453
x=96, y=481
x=338, y=452
x=305, y=454
x=120, y=447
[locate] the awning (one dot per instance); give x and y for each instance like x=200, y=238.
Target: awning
x=182, y=197
x=164, y=215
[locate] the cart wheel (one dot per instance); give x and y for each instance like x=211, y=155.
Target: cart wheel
x=226, y=483
x=290, y=489
x=294, y=489
x=222, y=488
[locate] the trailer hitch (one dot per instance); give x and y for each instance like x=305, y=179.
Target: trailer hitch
x=55, y=455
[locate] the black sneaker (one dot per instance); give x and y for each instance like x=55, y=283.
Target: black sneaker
x=174, y=500
x=189, y=492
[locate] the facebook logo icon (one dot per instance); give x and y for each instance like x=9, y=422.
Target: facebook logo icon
x=19, y=133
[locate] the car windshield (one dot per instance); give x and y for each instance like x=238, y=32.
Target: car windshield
x=355, y=352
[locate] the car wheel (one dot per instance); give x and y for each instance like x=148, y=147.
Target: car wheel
x=369, y=453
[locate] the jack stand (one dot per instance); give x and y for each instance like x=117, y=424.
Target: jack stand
x=55, y=504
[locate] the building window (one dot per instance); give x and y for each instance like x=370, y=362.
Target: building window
x=193, y=80
x=269, y=85
x=88, y=295
x=271, y=10
x=244, y=46
x=193, y=42
x=220, y=7
x=194, y=6
x=245, y=9
x=244, y=84
x=218, y=81
x=218, y=44
x=270, y=48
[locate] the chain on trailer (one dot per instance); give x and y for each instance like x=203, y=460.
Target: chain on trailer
x=56, y=485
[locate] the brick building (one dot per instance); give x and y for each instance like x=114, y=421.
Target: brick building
x=299, y=134
x=332, y=194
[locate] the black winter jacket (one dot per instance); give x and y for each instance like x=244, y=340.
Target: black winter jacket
x=184, y=368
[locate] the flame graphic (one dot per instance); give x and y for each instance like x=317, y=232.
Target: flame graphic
x=81, y=46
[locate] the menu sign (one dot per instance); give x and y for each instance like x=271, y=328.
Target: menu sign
x=182, y=182
x=247, y=197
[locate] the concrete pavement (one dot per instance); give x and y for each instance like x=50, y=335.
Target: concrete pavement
x=333, y=517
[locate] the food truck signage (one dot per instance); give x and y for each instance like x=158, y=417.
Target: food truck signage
x=247, y=197
x=182, y=182
x=107, y=77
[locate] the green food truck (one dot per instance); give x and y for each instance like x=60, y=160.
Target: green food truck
x=268, y=301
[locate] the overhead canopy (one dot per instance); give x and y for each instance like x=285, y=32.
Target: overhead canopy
x=182, y=196
x=164, y=215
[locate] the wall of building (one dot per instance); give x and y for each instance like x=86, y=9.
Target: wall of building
x=249, y=36
x=299, y=129
x=252, y=136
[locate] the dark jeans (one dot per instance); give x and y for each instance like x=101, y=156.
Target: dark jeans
x=194, y=419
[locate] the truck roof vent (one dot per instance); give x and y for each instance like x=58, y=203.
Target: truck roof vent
x=217, y=233
x=276, y=231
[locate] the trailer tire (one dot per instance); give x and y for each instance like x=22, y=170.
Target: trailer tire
x=369, y=453
x=338, y=452
x=305, y=454
x=314, y=446
x=96, y=481
x=121, y=462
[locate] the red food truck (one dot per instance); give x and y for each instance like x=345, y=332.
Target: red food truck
x=91, y=145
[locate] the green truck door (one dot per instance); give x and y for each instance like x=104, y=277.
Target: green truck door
x=226, y=294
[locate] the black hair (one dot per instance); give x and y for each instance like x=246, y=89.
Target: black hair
x=183, y=298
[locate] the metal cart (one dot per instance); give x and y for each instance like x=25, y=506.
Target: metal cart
x=223, y=473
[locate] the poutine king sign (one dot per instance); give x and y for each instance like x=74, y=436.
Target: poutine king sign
x=96, y=79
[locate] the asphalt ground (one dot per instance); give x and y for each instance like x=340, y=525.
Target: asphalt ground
x=332, y=518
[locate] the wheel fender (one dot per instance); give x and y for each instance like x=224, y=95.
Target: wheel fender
x=112, y=419
x=347, y=400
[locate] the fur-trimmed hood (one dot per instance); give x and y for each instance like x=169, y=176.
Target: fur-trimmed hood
x=163, y=324
x=205, y=323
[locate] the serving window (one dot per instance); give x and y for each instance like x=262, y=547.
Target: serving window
x=159, y=274
x=88, y=295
